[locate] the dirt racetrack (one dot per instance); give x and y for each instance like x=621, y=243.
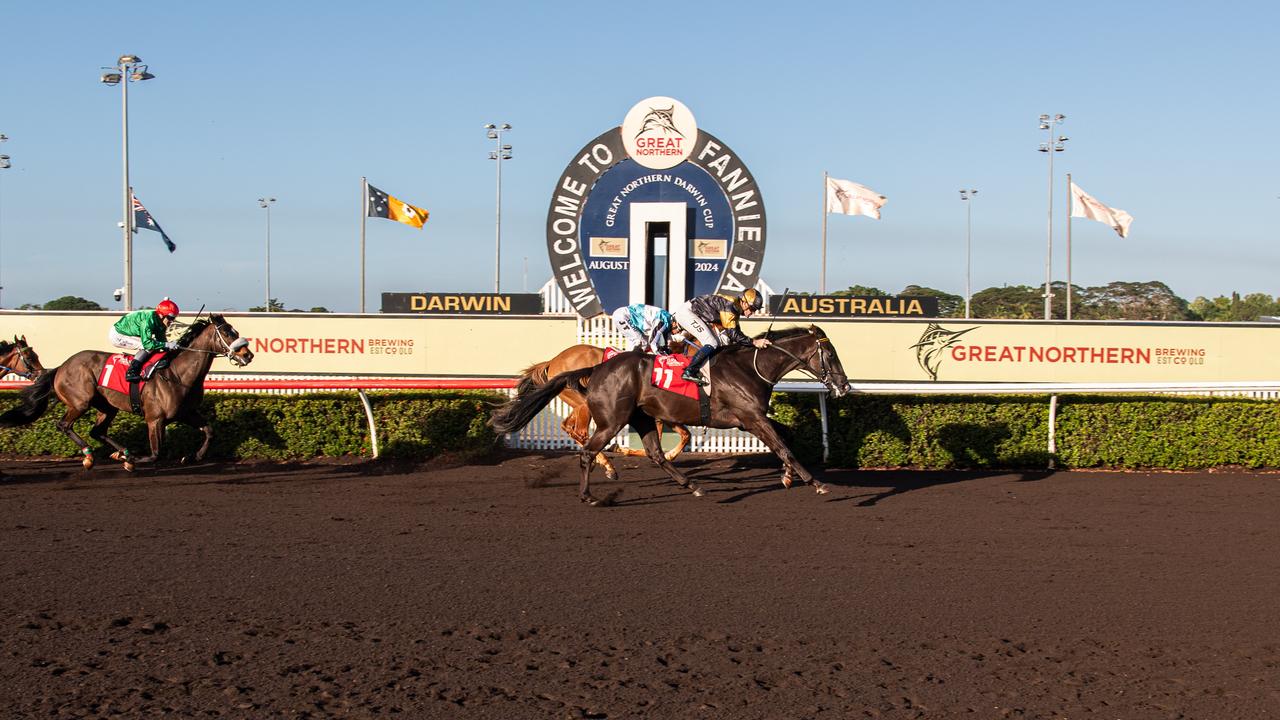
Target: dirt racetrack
x=488, y=591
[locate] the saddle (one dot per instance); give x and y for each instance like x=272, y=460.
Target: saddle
x=114, y=369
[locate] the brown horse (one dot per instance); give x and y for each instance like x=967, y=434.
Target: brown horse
x=173, y=393
x=578, y=424
x=19, y=358
x=742, y=379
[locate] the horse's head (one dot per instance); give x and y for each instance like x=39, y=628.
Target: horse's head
x=830, y=371
x=812, y=349
x=20, y=359
x=215, y=335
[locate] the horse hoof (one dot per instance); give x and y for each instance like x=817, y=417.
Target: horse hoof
x=786, y=481
x=821, y=489
x=610, y=474
x=87, y=462
x=128, y=466
x=697, y=492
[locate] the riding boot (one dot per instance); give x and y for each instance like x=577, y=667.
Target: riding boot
x=699, y=359
x=134, y=373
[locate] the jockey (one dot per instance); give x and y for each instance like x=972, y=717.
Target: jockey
x=701, y=316
x=645, y=327
x=144, y=331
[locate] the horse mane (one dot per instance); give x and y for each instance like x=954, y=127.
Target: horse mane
x=197, y=327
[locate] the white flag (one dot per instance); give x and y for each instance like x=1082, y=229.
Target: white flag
x=850, y=198
x=1086, y=206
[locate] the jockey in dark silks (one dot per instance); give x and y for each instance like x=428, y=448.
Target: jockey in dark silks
x=701, y=317
x=144, y=331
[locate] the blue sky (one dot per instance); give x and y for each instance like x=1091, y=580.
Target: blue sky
x=1171, y=110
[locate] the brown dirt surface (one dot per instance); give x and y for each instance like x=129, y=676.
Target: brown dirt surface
x=489, y=591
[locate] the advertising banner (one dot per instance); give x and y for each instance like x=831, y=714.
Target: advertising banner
x=938, y=350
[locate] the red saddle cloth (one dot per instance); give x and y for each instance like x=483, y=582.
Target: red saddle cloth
x=667, y=370
x=113, y=370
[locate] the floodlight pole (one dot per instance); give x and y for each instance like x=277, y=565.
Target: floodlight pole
x=265, y=203
x=130, y=69
x=1046, y=123
x=503, y=152
x=967, y=196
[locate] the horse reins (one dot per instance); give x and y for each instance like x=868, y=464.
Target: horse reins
x=801, y=364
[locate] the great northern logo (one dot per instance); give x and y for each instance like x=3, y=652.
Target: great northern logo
x=932, y=345
x=659, y=132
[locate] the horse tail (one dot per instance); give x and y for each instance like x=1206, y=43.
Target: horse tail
x=533, y=376
x=522, y=409
x=35, y=401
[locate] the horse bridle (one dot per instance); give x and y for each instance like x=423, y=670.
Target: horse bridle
x=26, y=362
x=230, y=348
x=802, y=364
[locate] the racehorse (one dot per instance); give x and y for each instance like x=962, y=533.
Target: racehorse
x=19, y=358
x=578, y=424
x=742, y=378
x=173, y=393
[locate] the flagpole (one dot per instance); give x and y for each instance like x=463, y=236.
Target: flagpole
x=364, y=214
x=822, y=282
x=1068, y=246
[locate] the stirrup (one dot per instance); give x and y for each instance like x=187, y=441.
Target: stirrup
x=693, y=378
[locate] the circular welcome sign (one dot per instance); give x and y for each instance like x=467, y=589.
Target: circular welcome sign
x=656, y=169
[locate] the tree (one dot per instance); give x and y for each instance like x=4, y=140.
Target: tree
x=861, y=290
x=1020, y=302
x=948, y=305
x=276, y=306
x=1131, y=301
x=72, y=302
x=1235, y=308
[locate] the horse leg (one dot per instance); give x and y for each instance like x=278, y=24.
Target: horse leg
x=578, y=426
x=107, y=414
x=586, y=460
x=65, y=427
x=683, y=432
x=651, y=433
x=155, y=436
x=764, y=429
x=197, y=421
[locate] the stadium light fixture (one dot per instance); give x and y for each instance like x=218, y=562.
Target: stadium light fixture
x=128, y=68
x=1049, y=148
x=503, y=152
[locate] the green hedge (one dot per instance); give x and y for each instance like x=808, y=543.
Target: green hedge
x=865, y=430
x=1012, y=431
x=411, y=425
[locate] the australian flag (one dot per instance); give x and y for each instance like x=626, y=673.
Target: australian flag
x=143, y=219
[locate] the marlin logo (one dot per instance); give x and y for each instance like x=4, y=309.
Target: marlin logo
x=932, y=344
x=660, y=119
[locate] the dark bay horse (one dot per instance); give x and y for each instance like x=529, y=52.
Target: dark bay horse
x=578, y=424
x=19, y=358
x=173, y=393
x=618, y=392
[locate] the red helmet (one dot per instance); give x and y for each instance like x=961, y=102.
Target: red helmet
x=167, y=308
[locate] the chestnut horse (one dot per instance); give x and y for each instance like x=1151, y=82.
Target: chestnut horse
x=578, y=424
x=173, y=393
x=19, y=358
x=618, y=392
